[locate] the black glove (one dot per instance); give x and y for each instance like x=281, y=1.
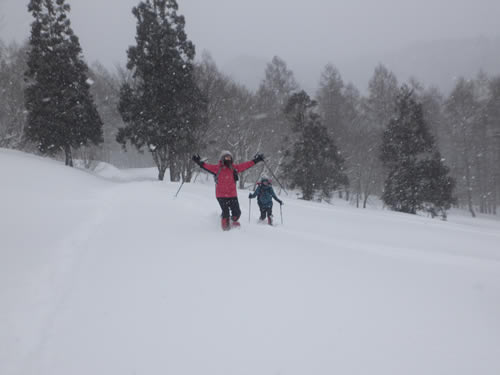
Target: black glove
x=281, y=203
x=257, y=158
x=197, y=159
x=250, y=195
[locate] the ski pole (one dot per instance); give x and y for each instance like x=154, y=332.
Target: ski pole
x=274, y=176
x=180, y=187
x=249, y=208
x=281, y=213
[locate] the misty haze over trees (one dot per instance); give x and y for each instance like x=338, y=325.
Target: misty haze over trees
x=413, y=146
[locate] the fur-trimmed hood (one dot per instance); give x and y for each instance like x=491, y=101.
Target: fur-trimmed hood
x=224, y=153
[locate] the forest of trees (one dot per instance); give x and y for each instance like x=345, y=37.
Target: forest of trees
x=167, y=104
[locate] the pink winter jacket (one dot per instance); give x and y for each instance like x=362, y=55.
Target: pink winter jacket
x=226, y=186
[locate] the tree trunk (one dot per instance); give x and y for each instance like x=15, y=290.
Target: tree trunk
x=175, y=174
x=469, y=195
x=481, y=183
x=160, y=159
x=307, y=192
x=161, y=173
x=494, y=194
x=358, y=193
x=365, y=199
x=468, y=177
x=188, y=175
x=367, y=190
x=68, y=156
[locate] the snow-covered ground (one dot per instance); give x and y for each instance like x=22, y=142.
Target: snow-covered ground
x=107, y=274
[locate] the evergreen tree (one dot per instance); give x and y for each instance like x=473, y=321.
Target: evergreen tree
x=436, y=184
x=163, y=108
x=417, y=177
x=61, y=113
x=314, y=165
x=297, y=110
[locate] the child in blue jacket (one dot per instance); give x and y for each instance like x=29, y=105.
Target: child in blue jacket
x=265, y=194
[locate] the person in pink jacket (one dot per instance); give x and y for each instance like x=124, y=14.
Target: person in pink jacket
x=225, y=175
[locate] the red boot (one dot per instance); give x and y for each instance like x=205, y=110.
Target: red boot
x=225, y=223
x=270, y=220
x=235, y=221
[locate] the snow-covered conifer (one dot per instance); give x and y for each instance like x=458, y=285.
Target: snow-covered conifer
x=417, y=177
x=162, y=107
x=61, y=112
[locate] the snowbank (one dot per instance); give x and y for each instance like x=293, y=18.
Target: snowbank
x=109, y=171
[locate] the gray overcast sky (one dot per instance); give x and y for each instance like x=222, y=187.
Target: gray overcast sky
x=297, y=30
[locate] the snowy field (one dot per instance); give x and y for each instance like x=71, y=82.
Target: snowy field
x=106, y=273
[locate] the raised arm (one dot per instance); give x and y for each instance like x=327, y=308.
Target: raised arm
x=244, y=166
x=212, y=168
x=248, y=164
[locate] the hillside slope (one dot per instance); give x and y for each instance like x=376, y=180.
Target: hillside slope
x=114, y=276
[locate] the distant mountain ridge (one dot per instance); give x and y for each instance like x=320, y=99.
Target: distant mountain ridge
x=434, y=63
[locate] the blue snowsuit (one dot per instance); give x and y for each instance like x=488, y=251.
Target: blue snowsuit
x=265, y=195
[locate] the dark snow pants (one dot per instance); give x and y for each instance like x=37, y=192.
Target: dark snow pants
x=265, y=211
x=230, y=208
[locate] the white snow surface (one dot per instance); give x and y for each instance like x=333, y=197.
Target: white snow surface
x=110, y=275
